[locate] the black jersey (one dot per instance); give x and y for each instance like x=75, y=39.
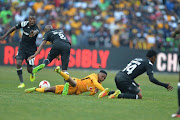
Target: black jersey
x=138, y=66
x=55, y=35
x=27, y=43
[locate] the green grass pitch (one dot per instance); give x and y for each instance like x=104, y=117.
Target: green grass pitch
x=157, y=102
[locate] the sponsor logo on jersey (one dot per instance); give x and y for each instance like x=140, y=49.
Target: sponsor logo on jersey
x=24, y=23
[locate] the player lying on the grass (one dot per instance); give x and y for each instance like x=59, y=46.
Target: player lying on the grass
x=77, y=86
x=124, y=79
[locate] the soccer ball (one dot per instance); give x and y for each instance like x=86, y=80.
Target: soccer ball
x=44, y=83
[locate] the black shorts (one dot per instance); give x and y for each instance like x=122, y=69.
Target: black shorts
x=63, y=49
x=24, y=54
x=126, y=84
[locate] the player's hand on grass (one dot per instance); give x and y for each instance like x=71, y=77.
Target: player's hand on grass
x=31, y=57
x=169, y=88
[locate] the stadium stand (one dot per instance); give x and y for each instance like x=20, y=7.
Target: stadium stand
x=139, y=24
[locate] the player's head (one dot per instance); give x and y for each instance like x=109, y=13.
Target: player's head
x=48, y=27
x=32, y=19
x=151, y=55
x=102, y=76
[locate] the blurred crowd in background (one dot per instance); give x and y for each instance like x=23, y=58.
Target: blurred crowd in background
x=140, y=24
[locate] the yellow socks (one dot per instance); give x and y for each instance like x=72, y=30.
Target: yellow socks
x=64, y=75
x=40, y=89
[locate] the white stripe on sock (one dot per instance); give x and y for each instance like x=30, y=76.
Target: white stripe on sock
x=136, y=96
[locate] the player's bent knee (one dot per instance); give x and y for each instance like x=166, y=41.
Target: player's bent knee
x=19, y=64
x=29, y=69
x=50, y=89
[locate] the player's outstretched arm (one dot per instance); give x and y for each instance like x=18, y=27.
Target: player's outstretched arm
x=38, y=51
x=7, y=33
x=155, y=81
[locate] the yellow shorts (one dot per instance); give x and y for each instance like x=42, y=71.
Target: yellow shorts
x=59, y=89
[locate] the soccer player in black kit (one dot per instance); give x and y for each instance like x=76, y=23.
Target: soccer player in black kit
x=27, y=46
x=60, y=46
x=176, y=34
x=124, y=79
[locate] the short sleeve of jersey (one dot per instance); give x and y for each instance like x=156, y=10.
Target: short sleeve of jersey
x=22, y=24
x=149, y=68
x=45, y=37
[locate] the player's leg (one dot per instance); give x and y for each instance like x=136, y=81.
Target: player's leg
x=19, y=59
x=52, y=54
x=30, y=65
x=178, y=112
x=129, y=91
x=41, y=66
x=132, y=92
x=19, y=72
x=65, y=76
x=42, y=90
x=65, y=54
x=58, y=89
x=127, y=88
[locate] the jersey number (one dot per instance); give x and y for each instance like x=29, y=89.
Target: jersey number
x=60, y=35
x=130, y=67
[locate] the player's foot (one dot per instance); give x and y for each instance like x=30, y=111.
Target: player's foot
x=66, y=88
x=22, y=85
x=103, y=93
x=29, y=90
x=115, y=95
x=32, y=77
x=57, y=69
x=38, y=68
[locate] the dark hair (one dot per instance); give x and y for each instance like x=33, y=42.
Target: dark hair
x=32, y=14
x=151, y=53
x=103, y=71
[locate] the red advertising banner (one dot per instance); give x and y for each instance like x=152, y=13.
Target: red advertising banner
x=83, y=58
x=112, y=58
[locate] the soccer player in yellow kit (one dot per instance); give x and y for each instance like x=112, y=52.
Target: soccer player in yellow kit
x=90, y=83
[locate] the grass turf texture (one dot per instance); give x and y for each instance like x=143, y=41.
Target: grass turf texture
x=157, y=102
